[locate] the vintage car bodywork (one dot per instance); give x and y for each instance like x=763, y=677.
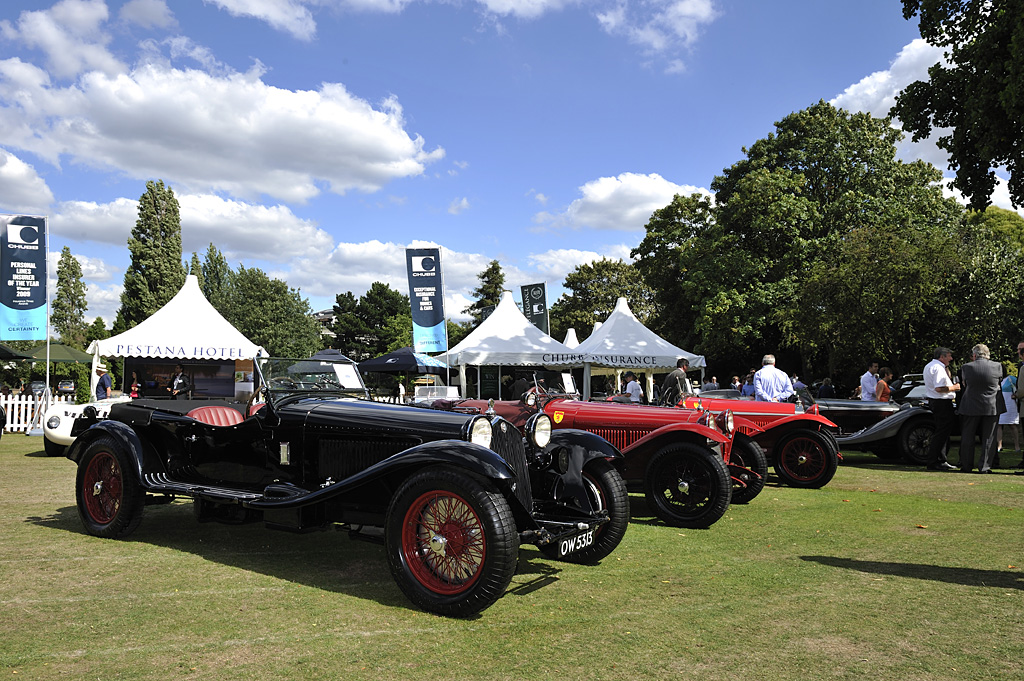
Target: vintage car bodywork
x=60, y=418
x=906, y=433
x=450, y=495
x=670, y=454
x=799, y=442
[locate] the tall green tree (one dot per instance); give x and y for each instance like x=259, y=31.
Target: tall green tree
x=270, y=313
x=216, y=279
x=96, y=331
x=978, y=96
x=372, y=325
x=69, y=303
x=1005, y=225
x=488, y=293
x=195, y=268
x=592, y=291
x=155, y=273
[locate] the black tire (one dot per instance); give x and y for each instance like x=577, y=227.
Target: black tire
x=52, y=448
x=747, y=454
x=806, y=458
x=915, y=441
x=687, y=486
x=607, y=491
x=110, y=498
x=441, y=511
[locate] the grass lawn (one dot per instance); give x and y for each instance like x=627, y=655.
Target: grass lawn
x=889, y=572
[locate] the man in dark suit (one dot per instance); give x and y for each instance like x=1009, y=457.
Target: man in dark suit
x=980, y=407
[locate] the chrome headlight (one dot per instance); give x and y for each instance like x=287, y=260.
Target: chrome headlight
x=478, y=431
x=725, y=421
x=53, y=422
x=538, y=430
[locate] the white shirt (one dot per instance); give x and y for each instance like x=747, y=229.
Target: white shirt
x=868, y=382
x=935, y=376
x=633, y=388
x=771, y=384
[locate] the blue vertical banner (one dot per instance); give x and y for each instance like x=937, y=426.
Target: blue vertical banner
x=535, y=305
x=22, y=277
x=426, y=296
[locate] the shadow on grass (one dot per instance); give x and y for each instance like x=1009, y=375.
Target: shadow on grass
x=328, y=560
x=1000, y=579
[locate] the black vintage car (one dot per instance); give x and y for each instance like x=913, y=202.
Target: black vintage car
x=450, y=495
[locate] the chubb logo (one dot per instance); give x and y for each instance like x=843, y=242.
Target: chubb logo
x=424, y=266
x=22, y=234
x=559, y=415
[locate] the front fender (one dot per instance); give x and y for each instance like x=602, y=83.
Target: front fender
x=591, y=446
x=123, y=434
x=746, y=426
x=884, y=429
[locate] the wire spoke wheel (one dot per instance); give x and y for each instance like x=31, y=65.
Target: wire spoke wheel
x=806, y=458
x=444, y=543
x=687, y=486
x=110, y=498
x=102, y=488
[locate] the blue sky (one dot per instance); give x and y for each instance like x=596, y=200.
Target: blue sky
x=317, y=139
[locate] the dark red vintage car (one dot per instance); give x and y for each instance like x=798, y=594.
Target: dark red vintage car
x=797, y=439
x=684, y=461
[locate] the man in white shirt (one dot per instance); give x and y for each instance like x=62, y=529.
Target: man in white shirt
x=868, y=382
x=633, y=388
x=771, y=384
x=940, y=389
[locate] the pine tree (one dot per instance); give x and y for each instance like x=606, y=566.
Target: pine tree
x=156, y=272
x=216, y=279
x=488, y=293
x=69, y=304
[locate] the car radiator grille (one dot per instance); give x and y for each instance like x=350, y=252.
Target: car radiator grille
x=340, y=458
x=621, y=438
x=507, y=442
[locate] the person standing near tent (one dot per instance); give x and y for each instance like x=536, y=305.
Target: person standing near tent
x=180, y=385
x=103, y=385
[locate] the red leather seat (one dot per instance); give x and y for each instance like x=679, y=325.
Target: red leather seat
x=217, y=415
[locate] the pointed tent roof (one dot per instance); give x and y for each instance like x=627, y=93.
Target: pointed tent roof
x=508, y=338
x=622, y=341
x=570, y=339
x=187, y=327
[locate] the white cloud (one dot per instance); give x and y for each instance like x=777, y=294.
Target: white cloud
x=625, y=202
x=21, y=189
x=524, y=9
x=69, y=34
x=458, y=205
x=290, y=16
x=204, y=132
x=660, y=26
x=148, y=14
x=106, y=223
x=555, y=264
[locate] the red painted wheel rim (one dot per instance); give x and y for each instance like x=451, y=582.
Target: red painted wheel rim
x=102, y=488
x=443, y=542
x=803, y=458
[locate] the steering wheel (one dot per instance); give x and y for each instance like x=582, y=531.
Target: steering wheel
x=251, y=401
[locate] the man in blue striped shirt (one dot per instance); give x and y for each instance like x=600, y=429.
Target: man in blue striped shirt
x=771, y=384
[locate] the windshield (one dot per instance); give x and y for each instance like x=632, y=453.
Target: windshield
x=290, y=376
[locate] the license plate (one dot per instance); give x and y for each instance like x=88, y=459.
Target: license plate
x=575, y=543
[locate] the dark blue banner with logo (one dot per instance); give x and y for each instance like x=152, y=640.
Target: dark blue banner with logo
x=22, y=277
x=535, y=305
x=426, y=295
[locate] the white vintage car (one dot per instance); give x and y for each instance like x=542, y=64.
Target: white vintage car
x=61, y=416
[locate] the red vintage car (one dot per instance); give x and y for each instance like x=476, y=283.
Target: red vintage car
x=798, y=440
x=682, y=460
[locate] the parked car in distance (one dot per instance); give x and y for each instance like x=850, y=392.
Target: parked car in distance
x=37, y=387
x=66, y=387
x=451, y=496
x=59, y=420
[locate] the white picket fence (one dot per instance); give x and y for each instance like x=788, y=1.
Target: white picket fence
x=21, y=410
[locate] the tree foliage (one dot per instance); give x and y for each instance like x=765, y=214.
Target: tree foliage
x=592, y=291
x=488, y=293
x=216, y=280
x=69, y=303
x=270, y=313
x=96, y=331
x=155, y=273
x=978, y=95
x=378, y=322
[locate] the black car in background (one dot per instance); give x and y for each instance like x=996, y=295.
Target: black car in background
x=450, y=495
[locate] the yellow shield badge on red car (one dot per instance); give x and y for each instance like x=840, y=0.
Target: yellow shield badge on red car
x=558, y=416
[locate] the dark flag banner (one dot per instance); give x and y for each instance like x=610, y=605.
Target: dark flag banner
x=22, y=277
x=426, y=296
x=535, y=305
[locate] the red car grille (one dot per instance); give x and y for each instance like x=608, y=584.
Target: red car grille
x=621, y=438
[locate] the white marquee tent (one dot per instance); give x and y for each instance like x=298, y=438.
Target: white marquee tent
x=187, y=327
x=622, y=342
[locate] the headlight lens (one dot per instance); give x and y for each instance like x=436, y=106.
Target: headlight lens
x=53, y=422
x=538, y=429
x=480, y=431
x=725, y=421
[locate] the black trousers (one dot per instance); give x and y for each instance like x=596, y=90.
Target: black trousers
x=945, y=417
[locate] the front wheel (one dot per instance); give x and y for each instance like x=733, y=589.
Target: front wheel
x=687, y=486
x=805, y=458
x=607, y=491
x=52, y=448
x=110, y=498
x=451, y=541
x=915, y=441
x=752, y=471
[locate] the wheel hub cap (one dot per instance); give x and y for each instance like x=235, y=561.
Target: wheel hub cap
x=802, y=459
x=683, y=487
x=97, y=488
x=438, y=544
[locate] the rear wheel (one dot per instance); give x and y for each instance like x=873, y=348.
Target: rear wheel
x=607, y=492
x=687, y=486
x=451, y=541
x=805, y=458
x=915, y=441
x=110, y=499
x=752, y=471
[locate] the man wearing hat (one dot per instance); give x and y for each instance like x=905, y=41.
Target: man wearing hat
x=103, y=385
x=633, y=388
